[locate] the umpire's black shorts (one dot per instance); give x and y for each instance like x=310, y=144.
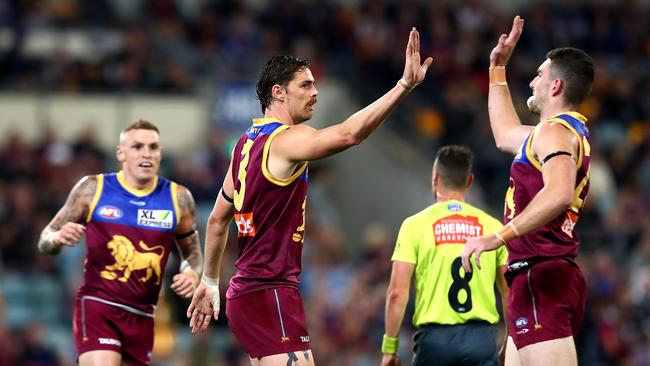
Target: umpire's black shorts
x=470, y=344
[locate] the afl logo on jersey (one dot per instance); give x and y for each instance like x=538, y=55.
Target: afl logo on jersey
x=110, y=212
x=454, y=207
x=521, y=322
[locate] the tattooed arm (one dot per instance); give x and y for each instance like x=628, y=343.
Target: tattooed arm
x=187, y=239
x=66, y=227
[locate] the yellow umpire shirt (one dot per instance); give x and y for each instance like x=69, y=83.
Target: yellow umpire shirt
x=433, y=240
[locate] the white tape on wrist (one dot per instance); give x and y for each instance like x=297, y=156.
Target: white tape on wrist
x=211, y=282
x=185, y=265
x=213, y=285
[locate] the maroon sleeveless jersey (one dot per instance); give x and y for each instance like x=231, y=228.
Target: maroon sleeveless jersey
x=557, y=238
x=129, y=234
x=269, y=213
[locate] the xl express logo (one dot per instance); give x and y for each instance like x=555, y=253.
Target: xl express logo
x=156, y=218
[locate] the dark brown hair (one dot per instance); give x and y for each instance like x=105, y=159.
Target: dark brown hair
x=454, y=166
x=277, y=70
x=576, y=69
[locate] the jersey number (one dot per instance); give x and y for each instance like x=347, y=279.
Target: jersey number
x=299, y=236
x=241, y=175
x=509, y=203
x=460, y=283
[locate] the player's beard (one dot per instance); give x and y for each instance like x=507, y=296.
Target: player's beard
x=145, y=176
x=305, y=114
x=537, y=101
x=532, y=104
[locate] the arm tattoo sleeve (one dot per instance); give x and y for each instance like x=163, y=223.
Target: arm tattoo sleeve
x=189, y=246
x=75, y=209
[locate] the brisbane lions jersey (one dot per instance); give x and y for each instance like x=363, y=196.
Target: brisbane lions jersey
x=269, y=212
x=557, y=238
x=129, y=234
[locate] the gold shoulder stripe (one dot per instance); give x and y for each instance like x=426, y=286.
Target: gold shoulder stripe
x=133, y=190
x=529, y=151
x=578, y=116
x=263, y=121
x=265, y=169
x=174, y=191
x=98, y=194
x=575, y=132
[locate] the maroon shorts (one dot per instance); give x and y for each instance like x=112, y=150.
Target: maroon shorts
x=547, y=301
x=100, y=326
x=269, y=322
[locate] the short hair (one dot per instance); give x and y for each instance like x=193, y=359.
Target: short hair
x=454, y=166
x=277, y=70
x=140, y=124
x=576, y=69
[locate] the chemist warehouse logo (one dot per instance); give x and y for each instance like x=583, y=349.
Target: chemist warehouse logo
x=245, y=224
x=455, y=229
x=155, y=218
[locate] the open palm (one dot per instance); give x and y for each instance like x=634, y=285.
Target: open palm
x=503, y=50
x=204, y=305
x=414, y=72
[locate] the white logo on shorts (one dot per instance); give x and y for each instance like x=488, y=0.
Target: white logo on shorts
x=304, y=339
x=111, y=341
x=521, y=322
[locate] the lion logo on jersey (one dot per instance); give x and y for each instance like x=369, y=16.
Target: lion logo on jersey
x=128, y=259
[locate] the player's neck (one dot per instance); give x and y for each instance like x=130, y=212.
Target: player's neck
x=554, y=110
x=442, y=196
x=132, y=182
x=281, y=114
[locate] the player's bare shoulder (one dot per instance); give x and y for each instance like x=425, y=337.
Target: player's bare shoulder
x=554, y=136
x=294, y=134
x=77, y=205
x=185, y=200
x=81, y=195
x=86, y=188
x=187, y=217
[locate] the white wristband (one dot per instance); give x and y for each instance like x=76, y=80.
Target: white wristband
x=211, y=282
x=185, y=265
x=213, y=285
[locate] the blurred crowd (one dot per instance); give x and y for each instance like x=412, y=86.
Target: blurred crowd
x=167, y=46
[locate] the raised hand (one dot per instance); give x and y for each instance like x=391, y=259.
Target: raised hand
x=414, y=72
x=205, y=303
x=503, y=50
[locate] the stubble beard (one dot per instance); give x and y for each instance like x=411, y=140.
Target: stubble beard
x=532, y=104
x=308, y=113
x=143, y=177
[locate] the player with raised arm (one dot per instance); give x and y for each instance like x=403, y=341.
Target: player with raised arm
x=549, y=180
x=131, y=220
x=265, y=190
